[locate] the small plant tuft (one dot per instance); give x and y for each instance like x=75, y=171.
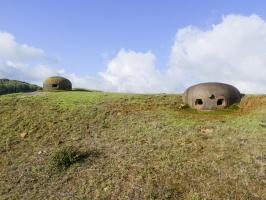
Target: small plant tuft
x=234, y=106
x=183, y=106
x=64, y=158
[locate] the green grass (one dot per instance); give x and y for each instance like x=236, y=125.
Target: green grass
x=127, y=146
x=64, y=158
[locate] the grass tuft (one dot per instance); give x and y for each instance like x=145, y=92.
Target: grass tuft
x=64, y=158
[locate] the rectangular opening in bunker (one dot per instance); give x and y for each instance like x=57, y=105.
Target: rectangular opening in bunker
x=198, y=102
x=220, y=102
x=54, y=85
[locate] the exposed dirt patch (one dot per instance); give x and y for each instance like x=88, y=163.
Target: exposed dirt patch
x=249, y=103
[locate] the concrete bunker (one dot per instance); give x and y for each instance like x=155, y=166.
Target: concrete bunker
x=57, y=83
x=211, y=96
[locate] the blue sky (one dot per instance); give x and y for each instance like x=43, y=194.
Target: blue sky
x=84, y=35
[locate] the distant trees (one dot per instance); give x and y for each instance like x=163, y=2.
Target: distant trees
x=13, y=86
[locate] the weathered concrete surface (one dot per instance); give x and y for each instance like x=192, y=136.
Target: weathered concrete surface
x=57, y=83
x=211, y=96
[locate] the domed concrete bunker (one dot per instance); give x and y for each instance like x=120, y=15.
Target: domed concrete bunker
x=211, y=96
x=57, y=83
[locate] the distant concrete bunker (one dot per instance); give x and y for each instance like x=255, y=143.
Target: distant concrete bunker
x=211, y=96
x=57, y=83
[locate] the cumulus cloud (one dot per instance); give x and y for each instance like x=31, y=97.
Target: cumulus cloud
x=27, y=63
x=232, y=51
x=132, y=71
x=11, y=50
x=18, y=61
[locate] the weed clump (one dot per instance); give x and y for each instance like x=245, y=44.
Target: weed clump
x=183, y=106
x=234, y=106
x=64, y=158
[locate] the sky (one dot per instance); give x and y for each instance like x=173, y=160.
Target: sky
x=140, y=46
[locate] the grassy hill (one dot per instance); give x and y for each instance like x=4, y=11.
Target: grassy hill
x=91, y=145
x=13, y=86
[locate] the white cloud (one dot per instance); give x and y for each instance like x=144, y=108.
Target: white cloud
x=11, y=50
x=232, y=51
x=129, y=71
x=16, y=60
x=132, y=71
x=23, y=62
x=89, y=82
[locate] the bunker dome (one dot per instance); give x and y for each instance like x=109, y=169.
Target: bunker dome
x=57, y=83
x=211, y=96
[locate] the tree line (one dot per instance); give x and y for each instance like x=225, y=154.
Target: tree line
x=13, y=86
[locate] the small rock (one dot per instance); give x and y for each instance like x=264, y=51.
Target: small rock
x=23, y=135
x=41, y=152
x=206, y=130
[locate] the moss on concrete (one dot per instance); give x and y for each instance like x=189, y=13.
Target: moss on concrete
x=57, y=83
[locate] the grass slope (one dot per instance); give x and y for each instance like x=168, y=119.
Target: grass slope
x=91, y=145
